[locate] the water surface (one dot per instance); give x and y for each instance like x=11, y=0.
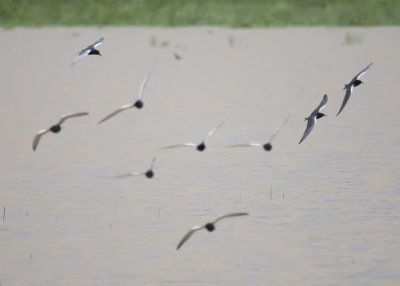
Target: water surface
x=325, y=212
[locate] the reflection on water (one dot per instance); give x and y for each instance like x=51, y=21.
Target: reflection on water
x=323, y=212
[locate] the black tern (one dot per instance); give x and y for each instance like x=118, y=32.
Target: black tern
x=55, y=128
x=149, y=173
x=349, y=87
x=200, y=147
x=266, y=146
x=138, y=103
x=208, y=226
x=312, y=119
x=90, y=50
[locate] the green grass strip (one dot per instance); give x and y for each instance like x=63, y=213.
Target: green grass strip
x=233, y=13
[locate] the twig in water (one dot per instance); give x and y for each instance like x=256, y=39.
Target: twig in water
x=4, y=214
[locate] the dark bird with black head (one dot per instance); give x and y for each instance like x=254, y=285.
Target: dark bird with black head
x=89, y=50
x=349, y=87
x=312, y=119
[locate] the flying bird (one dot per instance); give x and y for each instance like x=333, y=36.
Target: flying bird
x=312, y=119
x=90, y=50
x=177, y=57
x=149, y=173
x=267, y=146
x=55, y=128
x=200, y=147
x=138, y=103
x=349, y=87
x=210, y=226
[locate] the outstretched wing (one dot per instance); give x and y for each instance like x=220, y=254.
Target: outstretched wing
x=82, y=54
x=211, y=132
x=246, y=145
x=310, y=125
x=122, y=108
x=67, y=116
x=189, y=144
x=95, y=44
x=130, y=174
x=143, y=84
x=188, y=235
x=152, y=163
x=230, y=215
x=346, y=98
x=37, y=137
x=320, y=106
x=360, y=74
x=277, y=129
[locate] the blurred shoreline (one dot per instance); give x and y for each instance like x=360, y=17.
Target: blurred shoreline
x=181, y=13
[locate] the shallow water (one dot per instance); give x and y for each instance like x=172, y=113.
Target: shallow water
x=325, y=212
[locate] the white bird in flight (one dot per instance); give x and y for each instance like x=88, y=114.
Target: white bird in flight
x=149, y=173
x=266, y=146
x=138, y=103
x=210, y=226
x=55, y=128
x=200, y=147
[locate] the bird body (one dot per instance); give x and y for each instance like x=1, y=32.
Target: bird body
x=312, y=119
